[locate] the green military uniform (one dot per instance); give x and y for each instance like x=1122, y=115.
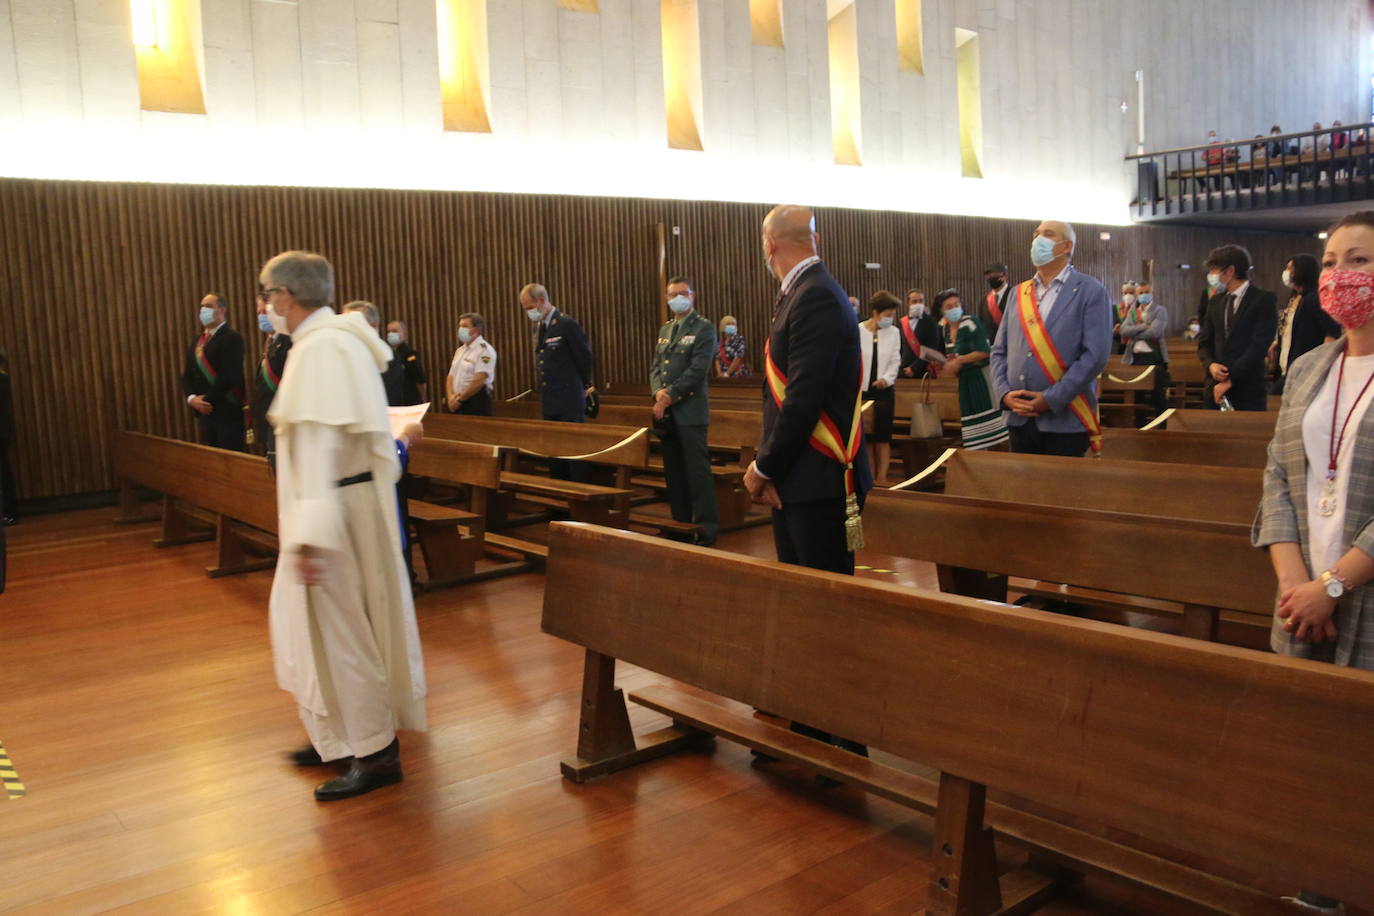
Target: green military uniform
x=682, y=364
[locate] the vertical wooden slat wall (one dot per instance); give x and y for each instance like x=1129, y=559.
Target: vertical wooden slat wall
x=101, y=283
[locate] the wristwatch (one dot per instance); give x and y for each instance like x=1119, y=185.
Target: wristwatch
x=1336, y=586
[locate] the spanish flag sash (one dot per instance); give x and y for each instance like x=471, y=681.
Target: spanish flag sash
x=207, y=370
x=825, y=438
x=1051, y=363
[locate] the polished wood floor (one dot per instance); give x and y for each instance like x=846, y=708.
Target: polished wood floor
x=137, y=702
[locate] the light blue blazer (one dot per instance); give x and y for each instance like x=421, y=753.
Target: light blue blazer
x=1080, y=324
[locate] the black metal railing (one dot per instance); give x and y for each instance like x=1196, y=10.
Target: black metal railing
x=1277, y=170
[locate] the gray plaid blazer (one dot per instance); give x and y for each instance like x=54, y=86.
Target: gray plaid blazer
x=1282, y=514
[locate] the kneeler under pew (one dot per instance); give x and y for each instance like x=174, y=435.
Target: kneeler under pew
x=1253, y=762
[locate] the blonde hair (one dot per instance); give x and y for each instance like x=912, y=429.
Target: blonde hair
x=728, y=319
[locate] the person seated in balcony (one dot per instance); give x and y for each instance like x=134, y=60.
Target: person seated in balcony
x=1212, y=158
x=1310, y=148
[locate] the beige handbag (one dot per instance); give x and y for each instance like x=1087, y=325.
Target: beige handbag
x=925, y=416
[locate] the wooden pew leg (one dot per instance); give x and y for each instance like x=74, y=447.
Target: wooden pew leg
x=1200, y=622
x=130, y=507
x=448, y=555
x=177, y=528
x=231, y=557
x=963, y=873
x=732, y=503
x=598, y=513
x=605, y=741
x=971, y=583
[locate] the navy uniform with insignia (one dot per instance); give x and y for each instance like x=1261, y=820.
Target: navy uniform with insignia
x=414, y=371
x=563, y=361
x=678, y=377
x=471, y=358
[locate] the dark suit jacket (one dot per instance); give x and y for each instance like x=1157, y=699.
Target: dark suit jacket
x=564, y=360
x=927, y=333
x=984, y=314
x=1244, y=348
x=277, y=347
x=1311, y=327
x=814, y=342
x=224, y=353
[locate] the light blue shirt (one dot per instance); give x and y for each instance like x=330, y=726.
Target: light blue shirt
x=1048, y=297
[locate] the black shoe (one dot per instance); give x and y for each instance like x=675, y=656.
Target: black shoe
x=827, y=782
x=761, y=757
x=706, y=542
x=9, y=521
x=306, y=757
x=364, y=774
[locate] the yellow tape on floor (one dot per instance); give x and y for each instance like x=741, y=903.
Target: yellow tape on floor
x=13, y=787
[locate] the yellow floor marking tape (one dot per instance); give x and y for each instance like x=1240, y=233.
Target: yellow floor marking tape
x=13, y=787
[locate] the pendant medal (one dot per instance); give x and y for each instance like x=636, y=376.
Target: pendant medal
x=1326, y=505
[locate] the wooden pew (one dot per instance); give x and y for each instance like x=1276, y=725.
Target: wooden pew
x=1215, y=449
x=1238, y=422
x=1201, y=569
x=619, y=449
x=1140, y=754
x=236, y=495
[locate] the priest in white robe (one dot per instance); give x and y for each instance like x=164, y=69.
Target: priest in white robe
x=344, y=636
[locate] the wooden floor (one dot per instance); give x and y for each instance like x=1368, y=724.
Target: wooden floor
x=138, y=704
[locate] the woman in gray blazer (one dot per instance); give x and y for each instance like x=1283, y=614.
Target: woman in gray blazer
x=1142, y=334
x=1317, y=515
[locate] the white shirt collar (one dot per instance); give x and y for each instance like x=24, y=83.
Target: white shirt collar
x=1239, y=292
x=795, y=272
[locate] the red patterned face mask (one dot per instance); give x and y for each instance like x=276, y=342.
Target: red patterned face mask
x=1348, y=296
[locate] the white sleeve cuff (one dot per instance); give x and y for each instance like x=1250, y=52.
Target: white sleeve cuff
x=754, y=465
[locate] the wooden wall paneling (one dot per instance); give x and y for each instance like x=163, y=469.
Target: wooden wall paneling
x=101, y=283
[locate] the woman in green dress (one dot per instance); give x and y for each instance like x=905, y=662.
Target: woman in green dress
x=980, y=417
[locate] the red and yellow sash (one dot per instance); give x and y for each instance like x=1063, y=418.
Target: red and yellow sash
x=994, y=309
x=1051, y=363
x=208, y=370
x=825, y=438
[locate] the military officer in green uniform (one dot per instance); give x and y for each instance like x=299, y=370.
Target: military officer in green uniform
x=678, y=378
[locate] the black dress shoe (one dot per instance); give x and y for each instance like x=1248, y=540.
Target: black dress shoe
x=364, y=774
x=9, y=521
x=306, y=757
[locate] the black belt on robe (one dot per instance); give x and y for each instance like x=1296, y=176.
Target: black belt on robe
x=364, y=477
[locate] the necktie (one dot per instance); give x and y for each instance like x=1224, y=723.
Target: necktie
x=1230, y=311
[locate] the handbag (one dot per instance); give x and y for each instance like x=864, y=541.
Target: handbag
x=925, y=416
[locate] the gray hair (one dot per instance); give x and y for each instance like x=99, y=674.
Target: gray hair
x=369, y=311
x=536, y=292
x=307, y=276
x=477, y=320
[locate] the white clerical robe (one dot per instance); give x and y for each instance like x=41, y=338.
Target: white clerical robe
x=348, y=650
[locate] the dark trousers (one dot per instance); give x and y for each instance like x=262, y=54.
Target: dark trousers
x=691, y=485
x=226, y=434
x=812, y=534
x=479, y=405
x=1159, y=396
x=9, y=499
x=1027, y=439
x=560, y=469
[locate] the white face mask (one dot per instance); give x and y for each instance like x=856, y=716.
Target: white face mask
x=465, y=335
x=207, y=315
x=278, y=321
x=916, y=311
x=1129, y=298
x=1288, y=279
x=534, y=314
x=885, y=321
x=679, y=304
x=393, y=338
x=1215, y=282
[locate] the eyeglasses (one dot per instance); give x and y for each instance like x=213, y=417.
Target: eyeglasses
x=274, y=289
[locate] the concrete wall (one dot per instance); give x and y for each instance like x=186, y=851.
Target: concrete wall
x=346, y=92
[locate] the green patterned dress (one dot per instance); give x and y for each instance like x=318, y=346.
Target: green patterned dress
x=980, y=417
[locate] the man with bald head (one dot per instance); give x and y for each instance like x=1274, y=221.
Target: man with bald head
x=1053, y=343
x=810, y=467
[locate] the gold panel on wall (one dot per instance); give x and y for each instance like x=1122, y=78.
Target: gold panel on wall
x=681, y=31
x=765, y=23
x=163, y=34
x=845, y=122
x=102, y=283
x=911, y=55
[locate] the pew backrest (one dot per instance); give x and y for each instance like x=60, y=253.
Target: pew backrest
x=1214, y=449
x=1220, y=753
x=468, y=463
x=620, y=446
x=232, y=484
x=1237, y=422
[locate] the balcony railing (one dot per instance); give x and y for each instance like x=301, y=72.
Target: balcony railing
x=1278, y=170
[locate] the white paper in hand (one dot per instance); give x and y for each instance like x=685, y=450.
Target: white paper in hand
x=401, y=417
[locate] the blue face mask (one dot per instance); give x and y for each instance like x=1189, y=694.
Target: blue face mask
x=393, y=338
x=730, y=330
x=465, y=335
x=1146, y=298
x=1042, y=251
x=207, y=315
x=955, y=314
x=1215, y=282
x=679, y=304
x=264, y=323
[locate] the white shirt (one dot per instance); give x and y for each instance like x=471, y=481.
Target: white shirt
x=795, y=272
x=1325, y=541
x=1045, y=298
x=470, y=359
x=889, y=353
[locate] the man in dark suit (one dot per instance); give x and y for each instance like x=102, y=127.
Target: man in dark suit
x=678, y=378
x=1240, y=324
x=564, y=360
x=812, y=366
x=268, y=376
x=993, y=307
x=394, y=375
x=813, y=347
x=919, y=329
x=213, y=378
